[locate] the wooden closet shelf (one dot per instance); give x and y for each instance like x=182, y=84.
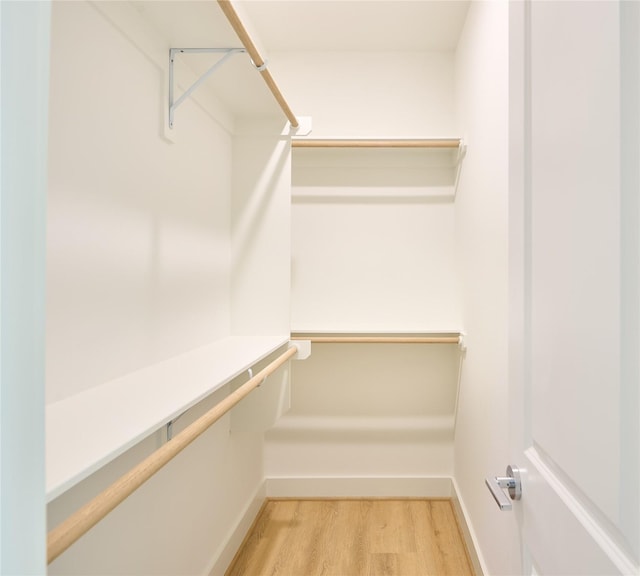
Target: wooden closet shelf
x=379, y=338
x=377, y=143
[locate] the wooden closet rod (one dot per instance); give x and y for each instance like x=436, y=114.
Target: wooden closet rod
x=370, y=143
x=79, y=523
x=380, y=339
x=243, y=35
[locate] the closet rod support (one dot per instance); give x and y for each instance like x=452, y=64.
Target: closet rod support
x=227, y=53
x=462, y=152
x=169, y=426
x=250, y=372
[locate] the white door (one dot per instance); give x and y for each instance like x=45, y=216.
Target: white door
x=575, y=291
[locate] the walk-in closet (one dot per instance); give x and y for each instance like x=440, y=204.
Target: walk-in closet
x=373, y=260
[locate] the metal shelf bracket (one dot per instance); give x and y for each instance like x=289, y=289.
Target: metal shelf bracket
x=226, y=52
x=169, y=426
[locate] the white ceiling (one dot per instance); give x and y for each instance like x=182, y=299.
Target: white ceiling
x=319, y=25
x=300, y=25
x=358, y=25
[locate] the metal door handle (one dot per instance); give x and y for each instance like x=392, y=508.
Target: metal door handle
x=511, y=482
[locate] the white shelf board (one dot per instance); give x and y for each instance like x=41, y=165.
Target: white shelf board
x=374, y=332
x=306, y=422
x=88, y=430
x=300, y=426
x=375, y=158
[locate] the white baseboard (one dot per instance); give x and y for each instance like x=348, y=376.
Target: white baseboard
x=467, y=531
x=224, y=556
x=359, y=487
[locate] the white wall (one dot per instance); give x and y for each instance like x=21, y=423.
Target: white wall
x=261, y=228
x=481, y=442
x=156, y=245
x=362, y=413
x=138, y=227
x=24, y=57
x=373, y=249
x=370, y=94
x=373, y=241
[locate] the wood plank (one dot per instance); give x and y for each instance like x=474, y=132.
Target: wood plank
x=390, y=529
x=377, y=143
x=380, y=339
x=354, y=537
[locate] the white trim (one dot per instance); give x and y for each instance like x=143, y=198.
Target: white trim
x=468, y=534
x=359, y=487
x=25, y=31
x=224, y=555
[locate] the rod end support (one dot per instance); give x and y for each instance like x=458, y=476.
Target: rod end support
x=303, y=347
x=304, y=127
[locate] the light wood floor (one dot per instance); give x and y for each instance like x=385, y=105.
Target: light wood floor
x=353, y=538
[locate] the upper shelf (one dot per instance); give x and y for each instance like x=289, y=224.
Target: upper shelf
x=446, y=143
x=401, y=152
x=424, y=165
x=244, y=85
x=88, y=430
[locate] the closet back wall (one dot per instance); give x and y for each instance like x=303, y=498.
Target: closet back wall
x=138, y=250
x=371, y=94
x=373, y=241
x=373, y=231
x=372, y=251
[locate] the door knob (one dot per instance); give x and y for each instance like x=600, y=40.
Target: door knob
x=510, y=482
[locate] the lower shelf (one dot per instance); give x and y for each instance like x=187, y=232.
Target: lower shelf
x=300, y=427
x=88, y=430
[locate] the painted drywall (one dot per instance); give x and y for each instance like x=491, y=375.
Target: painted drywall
x=372, y=238
x=369, y=412
x=261, y=228
x=370, y=94
x=138, y=227
x=146, y=229
x=373, y=249
x=24, y=57
x=481, y=440
x=373, y=241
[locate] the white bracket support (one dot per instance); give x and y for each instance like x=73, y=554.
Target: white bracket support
x=303, y=347
x=462, y=342
x=226, y=52
x=169, y=426
x=462, y=152
x=250, y=373
x=305, y=126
